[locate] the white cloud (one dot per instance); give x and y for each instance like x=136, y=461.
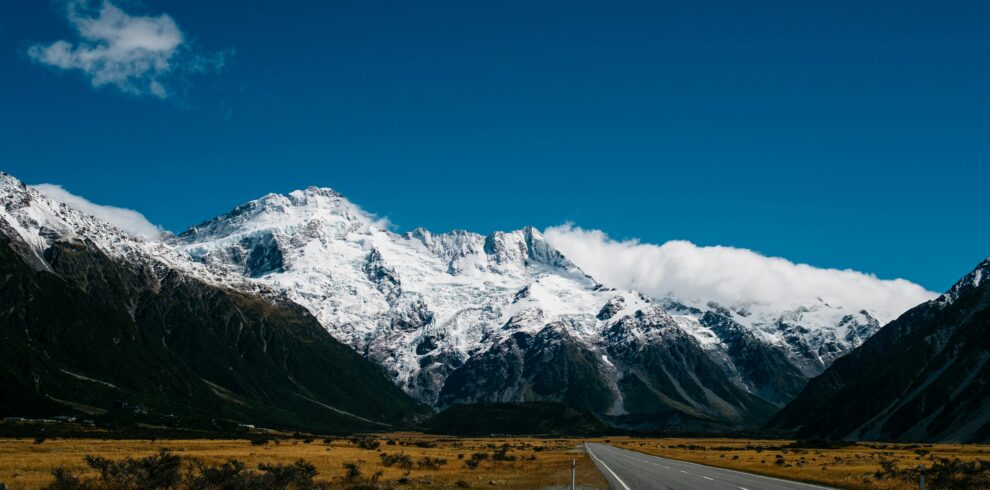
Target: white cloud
x=136, y=54
x=728, y=275
x=132, y=222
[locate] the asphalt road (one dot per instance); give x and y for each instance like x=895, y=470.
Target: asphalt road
x=629, y=470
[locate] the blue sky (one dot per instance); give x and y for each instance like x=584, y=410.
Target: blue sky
x=834, y=133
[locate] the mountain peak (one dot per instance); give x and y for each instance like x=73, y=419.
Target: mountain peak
x=969, y=282
x=286, y=212
x=314, y=195
x=525, y=245
x=39, y=220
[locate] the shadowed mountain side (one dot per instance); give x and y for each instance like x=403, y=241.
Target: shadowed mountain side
x=92, y=333
x=923, y=377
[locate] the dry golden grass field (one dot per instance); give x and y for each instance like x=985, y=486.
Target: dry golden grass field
x=854, y=466
x=538, y=463
x=523, y=462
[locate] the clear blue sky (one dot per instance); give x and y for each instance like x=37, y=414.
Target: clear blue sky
x=841, y=134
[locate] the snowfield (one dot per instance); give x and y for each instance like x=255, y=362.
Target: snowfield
x=408, y=300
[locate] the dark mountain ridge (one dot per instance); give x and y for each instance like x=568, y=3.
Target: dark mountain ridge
x=923, y=377
x=83, y=332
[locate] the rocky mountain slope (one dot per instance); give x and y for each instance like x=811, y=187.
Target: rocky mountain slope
x=461, y=317
x=923, y=377
x=96, y=322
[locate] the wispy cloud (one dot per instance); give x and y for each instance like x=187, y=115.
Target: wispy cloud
x=137, y=54
x=728, y=275
x=132, y=222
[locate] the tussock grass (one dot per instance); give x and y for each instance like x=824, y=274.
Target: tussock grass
x=854, y=466
x=411, y=460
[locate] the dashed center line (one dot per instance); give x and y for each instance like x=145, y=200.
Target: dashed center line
x=632, y=456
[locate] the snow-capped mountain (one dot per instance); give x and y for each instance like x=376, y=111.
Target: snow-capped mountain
x=92, y=316
x=463, y=317
x=39, y=221
x=812, y=336
x=420, y=304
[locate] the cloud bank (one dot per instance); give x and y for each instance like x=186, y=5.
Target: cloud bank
x=138, y=55
x=728, y=275
x=132, y=222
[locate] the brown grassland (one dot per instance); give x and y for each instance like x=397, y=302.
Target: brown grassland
x=539, y=463
x=853, y=466
x=525, y=462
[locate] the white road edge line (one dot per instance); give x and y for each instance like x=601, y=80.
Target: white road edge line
x=708, y=478
x=586, y=448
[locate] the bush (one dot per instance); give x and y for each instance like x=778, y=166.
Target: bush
x=401, y=460
x=502, y=454
x=229, y=475
x=954, y=474
x=355, y=481
x=471, y=463
x=162, y=471
x=351, y=472
x=296, y=475
x=153, y=472
x=368, y=443
x=888, y=469
x=428, y=463
x=64, y=480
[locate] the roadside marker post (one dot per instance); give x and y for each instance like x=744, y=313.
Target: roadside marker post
x=922, y=483
x=573, y=464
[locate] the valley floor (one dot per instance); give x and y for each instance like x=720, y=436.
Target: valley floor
x=510, y=462
x=865, y=465
x=525, y=462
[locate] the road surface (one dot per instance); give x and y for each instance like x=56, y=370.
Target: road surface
x=629, y=470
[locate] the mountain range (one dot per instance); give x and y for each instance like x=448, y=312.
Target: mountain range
x=461, y=317
x=303, y=309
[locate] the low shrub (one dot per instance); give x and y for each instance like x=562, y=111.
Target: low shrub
x=400, y=460
x=164, y=471
x=428, y=463
x=153, y=472
x=369, y=443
